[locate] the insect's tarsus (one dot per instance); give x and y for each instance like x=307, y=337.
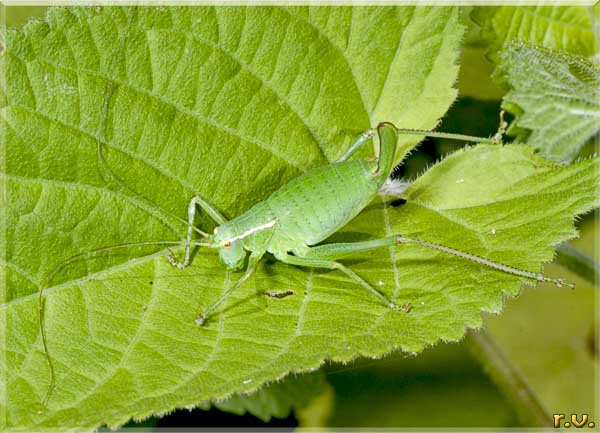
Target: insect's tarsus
x=502, y=127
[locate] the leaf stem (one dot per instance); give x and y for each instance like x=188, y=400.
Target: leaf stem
x=509, y=379
x=578, y=262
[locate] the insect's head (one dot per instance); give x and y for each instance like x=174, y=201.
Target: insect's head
x=231, y=250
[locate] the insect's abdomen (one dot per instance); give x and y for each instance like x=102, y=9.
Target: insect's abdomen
x=319, y=202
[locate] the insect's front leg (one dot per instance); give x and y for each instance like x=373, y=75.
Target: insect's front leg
x=252, y=262
x=211, y=211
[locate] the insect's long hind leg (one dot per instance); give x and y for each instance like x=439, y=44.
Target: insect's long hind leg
x=331, y=264
x=252, y=262
x=483, y=261
x=211, y=211
x=337, y=250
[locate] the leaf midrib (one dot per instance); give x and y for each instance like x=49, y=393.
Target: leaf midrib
x=96, y=189
x=134, y=261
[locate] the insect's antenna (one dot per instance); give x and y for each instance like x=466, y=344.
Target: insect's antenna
x=448, y=135
x=121, y=184
x=66, y=263
x=99, y=138
x=486, y=262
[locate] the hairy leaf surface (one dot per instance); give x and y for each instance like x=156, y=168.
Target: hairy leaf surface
x=555, y=97
x=231, y=103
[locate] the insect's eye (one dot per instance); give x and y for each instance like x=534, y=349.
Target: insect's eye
x=227, y=244
x=216, y=230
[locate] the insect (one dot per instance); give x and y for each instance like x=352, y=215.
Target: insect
x=307, y=210
x=292, y=222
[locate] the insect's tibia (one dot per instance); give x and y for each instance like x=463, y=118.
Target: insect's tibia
x=558, y=282
x=486, y=262
x=364, y=137
x=449, y=135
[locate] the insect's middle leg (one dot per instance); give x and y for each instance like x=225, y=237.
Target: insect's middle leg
x=331, y=264
x=388, y=140
x=211, y=211
x=364, y=137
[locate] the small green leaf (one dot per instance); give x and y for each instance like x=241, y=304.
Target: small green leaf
x=568, y=28
x=277, y=399
x=555, y=98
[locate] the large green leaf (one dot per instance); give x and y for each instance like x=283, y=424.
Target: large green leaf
x=555, y=97
x=231, y=103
